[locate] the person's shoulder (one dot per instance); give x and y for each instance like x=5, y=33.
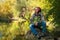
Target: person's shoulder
x=41, y=13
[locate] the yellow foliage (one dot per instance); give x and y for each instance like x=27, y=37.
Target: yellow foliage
x=6, y=6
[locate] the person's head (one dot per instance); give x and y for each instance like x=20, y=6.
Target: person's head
x=23, y=9
x=37, y=9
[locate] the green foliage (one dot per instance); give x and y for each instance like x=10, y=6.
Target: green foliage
x=55, y=12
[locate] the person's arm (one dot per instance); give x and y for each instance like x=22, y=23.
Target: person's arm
x=32, y=18
x=42, y=17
